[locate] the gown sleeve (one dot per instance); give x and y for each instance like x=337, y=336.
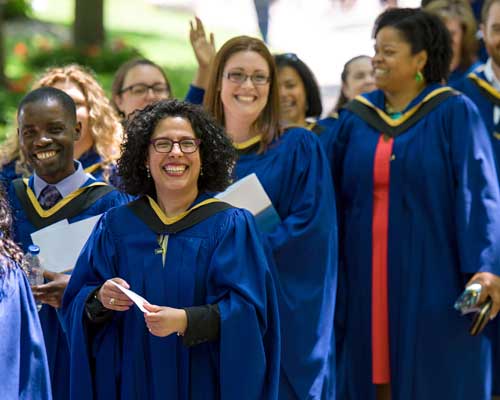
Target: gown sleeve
x=477, y=191
x=240, y=282
x=23, y=361
x=304, y=246
x=195, y=95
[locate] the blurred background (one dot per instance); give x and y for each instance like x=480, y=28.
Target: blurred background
x=102, y=34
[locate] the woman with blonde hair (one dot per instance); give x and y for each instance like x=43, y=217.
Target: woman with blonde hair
x=99, y=145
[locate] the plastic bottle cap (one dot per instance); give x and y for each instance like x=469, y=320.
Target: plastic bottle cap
x=33, y=249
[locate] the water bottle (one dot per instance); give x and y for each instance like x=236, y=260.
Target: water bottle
x=33, y=270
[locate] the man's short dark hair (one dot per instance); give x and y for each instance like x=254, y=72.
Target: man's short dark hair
x=49, y=93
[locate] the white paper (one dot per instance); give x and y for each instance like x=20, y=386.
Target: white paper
x=138, y=300
x=247, y=193
x=58, y=224
x=61, y=243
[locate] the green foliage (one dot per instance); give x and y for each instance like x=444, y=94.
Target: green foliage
x=17, y=9
x=100, y=59
x=8, y=105
x=161, y=35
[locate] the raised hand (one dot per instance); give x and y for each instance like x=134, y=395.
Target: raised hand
x=204, y=48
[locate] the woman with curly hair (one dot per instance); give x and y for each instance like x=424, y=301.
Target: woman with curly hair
x=418, y=203
x=209, y=328
x=290, y=163
x=99, y=145
x=23, y=361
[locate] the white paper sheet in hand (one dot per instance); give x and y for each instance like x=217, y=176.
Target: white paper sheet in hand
x=138, y=300
x=61, y=243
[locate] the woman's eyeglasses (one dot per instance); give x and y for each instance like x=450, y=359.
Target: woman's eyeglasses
x=164, y=145
x=141, y=89
x=240, y=78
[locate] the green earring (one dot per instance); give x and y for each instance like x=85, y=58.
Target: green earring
x=419, y=77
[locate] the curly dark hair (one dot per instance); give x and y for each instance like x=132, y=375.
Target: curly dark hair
x=423, y=31
x=216, y=150
x=8, y=248
x=313, y=95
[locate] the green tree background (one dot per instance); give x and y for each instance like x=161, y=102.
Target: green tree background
x=36, y=38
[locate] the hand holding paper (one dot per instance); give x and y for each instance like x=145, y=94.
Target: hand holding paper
x=112, y=297
x=163, y=321
x=138, y=300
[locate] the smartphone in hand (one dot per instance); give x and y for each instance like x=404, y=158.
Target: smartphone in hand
x=468, y=303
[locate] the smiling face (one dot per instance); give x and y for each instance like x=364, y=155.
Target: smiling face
x=244, y=101
x=394, y=65
x=359, y=78
x=174, y=173
x=293, y=98
x=143, y=74
x=86, y=140
x=47, y=134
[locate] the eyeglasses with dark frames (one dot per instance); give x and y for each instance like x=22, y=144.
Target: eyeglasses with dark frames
x=165, y=145
x=240, y=77
x=141, y=89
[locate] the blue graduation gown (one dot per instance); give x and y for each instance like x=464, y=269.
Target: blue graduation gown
x=219, y=260
x=55, y=340
x=458, y=74
x=443, y=226
x=330, y=124
x=469, y=86
x=295, y=174
x=8, y=174
x=195, y=95
x=92, y=164
x=23, y=362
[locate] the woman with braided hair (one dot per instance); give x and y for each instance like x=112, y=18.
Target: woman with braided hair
x=418, y=220
x=23, y=361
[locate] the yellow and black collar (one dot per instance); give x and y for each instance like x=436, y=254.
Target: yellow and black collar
x=315, y=128
x=92, y=168
x=152, y=215
x=248, y=146
x=381, y=121
x=68, y=207
x=485, y=88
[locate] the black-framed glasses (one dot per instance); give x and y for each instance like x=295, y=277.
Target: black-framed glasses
x=240, y=77
x=165, y=145
x=141, y=89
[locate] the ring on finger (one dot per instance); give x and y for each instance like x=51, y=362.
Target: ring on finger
x=112, y=300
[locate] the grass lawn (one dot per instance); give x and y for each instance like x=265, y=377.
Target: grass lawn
x=158, y=33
